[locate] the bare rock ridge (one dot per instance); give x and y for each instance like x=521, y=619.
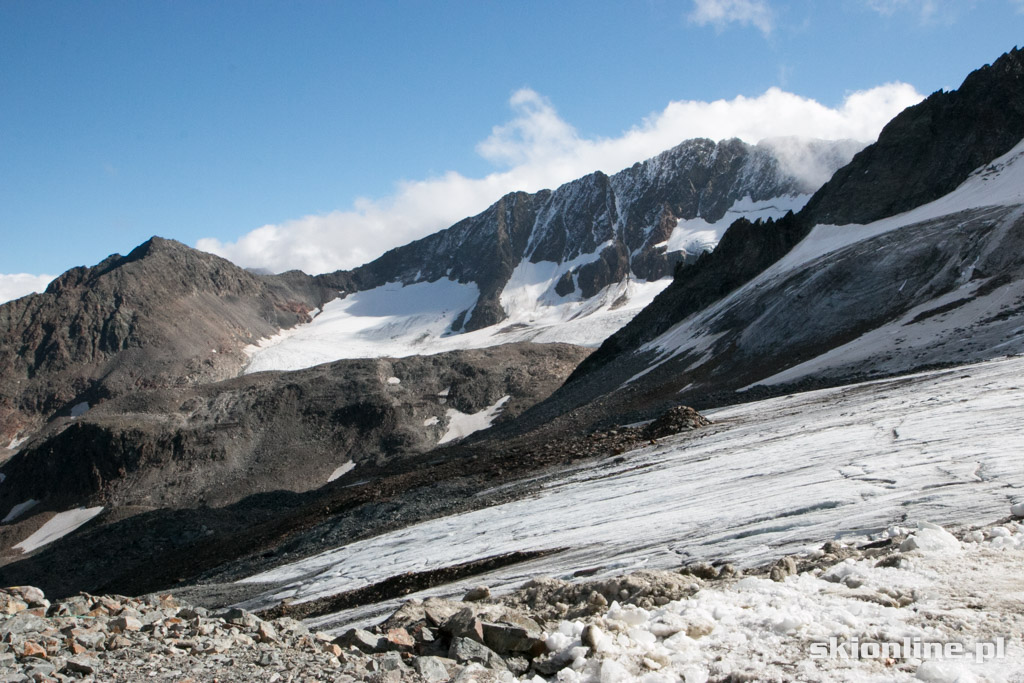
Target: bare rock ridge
x=164, y=315
x=924, y=153
x=217, y=443
x=614, y=225
x=929, y=149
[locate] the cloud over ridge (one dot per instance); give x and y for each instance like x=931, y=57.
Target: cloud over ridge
x=538, y=149
x=16, y=285
x=719, y=13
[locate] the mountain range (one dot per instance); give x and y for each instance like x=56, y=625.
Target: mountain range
x=208, y=422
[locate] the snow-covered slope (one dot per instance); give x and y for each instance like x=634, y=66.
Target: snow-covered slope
x=398, y=321
x=572, y=265
x=766, y=479
x=941, y=283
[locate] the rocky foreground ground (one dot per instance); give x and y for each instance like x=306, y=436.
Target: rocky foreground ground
x=701, y=622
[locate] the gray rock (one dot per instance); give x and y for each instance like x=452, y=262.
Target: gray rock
x=409, y=613
x=362, y=639
x=505, y=638
x=391, y=661
x=123, y=624
x=23, y=623
x=432, y=669
x=240, y=617
x=81, y=665
x=32, y=595
x=266, y=633
x=270, y=658
x=91, y=639
x=466, y=650
x=438, y=610
x=475, y=673
x=39, y=668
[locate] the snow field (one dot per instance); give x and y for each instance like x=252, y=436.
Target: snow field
x=758, y=629
x=397, y=320
x=768, y=478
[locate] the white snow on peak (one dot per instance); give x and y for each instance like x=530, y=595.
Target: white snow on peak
x=695, y=235
x=461, y=425
x=18, y=510
x=60, y=525
x=401, y=320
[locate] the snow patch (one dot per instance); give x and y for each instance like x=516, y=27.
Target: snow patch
x=347, y=467
x=394, y=380
x=391, y=320
x=18, y=510
x=695, y=235
x=15, y=444
x=430, y=421
x=461, y=425
x=61, y=525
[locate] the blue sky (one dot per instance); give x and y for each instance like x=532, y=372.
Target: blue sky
x=316, y=134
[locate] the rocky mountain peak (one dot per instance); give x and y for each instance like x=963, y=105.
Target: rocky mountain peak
x=608, y=227
x=163, y=314
x=929, y=148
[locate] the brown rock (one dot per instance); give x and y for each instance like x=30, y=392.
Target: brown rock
x=31, y=649
x=477, y=594
x=266, y=633
x=399, y=638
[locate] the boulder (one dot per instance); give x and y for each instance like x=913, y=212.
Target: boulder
x=467, y=651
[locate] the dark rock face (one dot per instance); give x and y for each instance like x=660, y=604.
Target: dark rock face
x=218, y=443
x=930, y=148
x=619, y=220
x=164, y=315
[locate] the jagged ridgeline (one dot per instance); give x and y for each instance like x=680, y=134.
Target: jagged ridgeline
x=608, y=227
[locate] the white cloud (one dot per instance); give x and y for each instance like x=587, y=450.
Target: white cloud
x=537, y=149
x=722, y=12
x=927, y=11
x=17, y=285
